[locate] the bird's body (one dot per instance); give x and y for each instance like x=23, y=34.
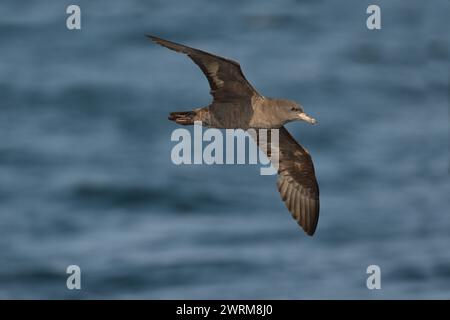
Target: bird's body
x=255, y=113
x=237, y=105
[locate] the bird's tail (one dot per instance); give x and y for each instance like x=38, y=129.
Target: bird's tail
x=183, y=117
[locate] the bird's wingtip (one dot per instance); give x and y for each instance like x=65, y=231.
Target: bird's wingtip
x=308, y=230
x=153, y=38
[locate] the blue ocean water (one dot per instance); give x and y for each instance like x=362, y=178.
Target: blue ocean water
x=86, y=176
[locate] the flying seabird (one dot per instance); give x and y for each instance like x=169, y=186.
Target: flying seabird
x=236, y=104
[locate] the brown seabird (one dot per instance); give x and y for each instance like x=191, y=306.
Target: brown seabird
x=236, y=104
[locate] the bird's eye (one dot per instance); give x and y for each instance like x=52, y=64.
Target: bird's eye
x=293, y=109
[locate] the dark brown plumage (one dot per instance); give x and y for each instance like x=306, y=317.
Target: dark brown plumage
x=236, y=104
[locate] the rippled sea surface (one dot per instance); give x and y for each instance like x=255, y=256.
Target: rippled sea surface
x=86, y=176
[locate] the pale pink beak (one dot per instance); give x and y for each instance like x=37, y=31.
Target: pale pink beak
x=304, y=117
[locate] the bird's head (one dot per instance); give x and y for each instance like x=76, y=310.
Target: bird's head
x=292, y=111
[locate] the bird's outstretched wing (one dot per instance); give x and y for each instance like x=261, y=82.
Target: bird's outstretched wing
x=297, y=182
x=225, y=77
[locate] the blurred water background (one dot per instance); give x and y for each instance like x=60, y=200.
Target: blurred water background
x=86, y=176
